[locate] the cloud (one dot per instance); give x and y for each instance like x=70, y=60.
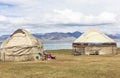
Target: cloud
x=53, y=21
x=75, y=24
x=64, y=17
x=2, y=4
x=40, y=16
x=77, y=18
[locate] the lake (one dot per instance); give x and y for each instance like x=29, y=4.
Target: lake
x=61, y=45
x=57, y=45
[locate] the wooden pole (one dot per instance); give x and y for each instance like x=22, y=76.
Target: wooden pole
x=4, y=57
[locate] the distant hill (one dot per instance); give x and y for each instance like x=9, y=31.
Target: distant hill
x=75, y=34
x=60, y=36
x=56, y=36
x=3, y=37
x=116, y=36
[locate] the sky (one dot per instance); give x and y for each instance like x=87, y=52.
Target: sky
x=43, y=16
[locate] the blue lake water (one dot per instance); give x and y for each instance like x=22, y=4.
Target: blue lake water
x=61, y=45
x=57, y=45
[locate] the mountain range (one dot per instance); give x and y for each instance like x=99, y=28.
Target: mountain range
x=59, y=36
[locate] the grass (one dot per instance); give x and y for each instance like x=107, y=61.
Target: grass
x=65, y=66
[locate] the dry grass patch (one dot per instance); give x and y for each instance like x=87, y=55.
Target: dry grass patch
x=65, y=66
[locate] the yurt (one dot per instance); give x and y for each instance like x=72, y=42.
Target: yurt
x=20, y=46
x=94, y=42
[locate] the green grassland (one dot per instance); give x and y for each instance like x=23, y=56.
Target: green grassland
x=65, y=66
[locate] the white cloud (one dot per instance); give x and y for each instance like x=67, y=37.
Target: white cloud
x=44, y=15
x=69, y=16
x=107, y=17
x=3, y=18
x=63, y=16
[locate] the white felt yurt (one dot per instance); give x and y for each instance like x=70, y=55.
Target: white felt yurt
x=20, y=46
x=94, y=41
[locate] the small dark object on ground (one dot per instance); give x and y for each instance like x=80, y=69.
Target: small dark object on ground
x=53, y=57
x=94, y=53
x=76, y=53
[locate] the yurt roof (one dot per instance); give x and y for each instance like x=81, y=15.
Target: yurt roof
x=21, y=38
x=93, y=35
